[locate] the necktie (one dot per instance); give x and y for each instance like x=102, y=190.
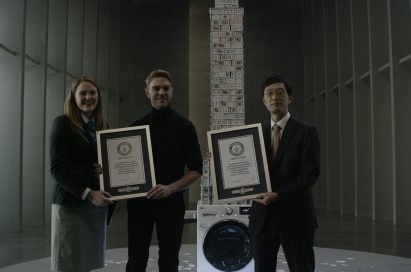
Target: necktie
x=91, y=131
x=275, y=139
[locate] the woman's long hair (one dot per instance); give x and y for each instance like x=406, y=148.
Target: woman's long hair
x=74, y=114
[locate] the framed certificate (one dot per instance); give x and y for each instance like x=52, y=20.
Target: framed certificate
x=125, y=155
x=238, y=163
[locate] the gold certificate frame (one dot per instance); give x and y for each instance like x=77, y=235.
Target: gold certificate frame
x=126, y=157
x=238, y=163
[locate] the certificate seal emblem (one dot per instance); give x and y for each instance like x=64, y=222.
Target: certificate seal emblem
x=236, y=149
x=124, y=148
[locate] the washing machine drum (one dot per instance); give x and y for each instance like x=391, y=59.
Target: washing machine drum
x=227, y=245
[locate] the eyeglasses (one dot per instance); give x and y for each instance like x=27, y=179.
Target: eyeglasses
x=279, y=93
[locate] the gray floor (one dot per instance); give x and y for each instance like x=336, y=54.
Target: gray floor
x=327, y=260
x=336, y=235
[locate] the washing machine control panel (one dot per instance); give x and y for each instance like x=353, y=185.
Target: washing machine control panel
x=228, y=211
x=221, y=211
x=244, y=210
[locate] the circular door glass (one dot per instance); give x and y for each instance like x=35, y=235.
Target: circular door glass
x=227, y=245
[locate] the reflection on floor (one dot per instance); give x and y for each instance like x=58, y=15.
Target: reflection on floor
x=327, y=259
x=336, y=234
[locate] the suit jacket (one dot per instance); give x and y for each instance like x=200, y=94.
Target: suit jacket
x=71, y=162
x=293, y=172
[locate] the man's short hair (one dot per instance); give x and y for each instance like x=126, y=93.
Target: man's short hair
x=277, y=78
x=158, y=73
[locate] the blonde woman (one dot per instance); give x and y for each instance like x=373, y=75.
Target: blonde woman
x=79, y=208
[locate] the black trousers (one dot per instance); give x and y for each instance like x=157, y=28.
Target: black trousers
x=168, y=217
x=298, y=249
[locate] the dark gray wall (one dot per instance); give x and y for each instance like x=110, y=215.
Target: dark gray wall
x=360, y=62
x=43, y=45
x=272, y=43
x=153, y=36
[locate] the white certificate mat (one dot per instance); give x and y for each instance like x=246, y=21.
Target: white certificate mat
x=126, y=157
x=126, y=165
x=238, y=161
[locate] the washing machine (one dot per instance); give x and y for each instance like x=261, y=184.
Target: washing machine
x=223, y=241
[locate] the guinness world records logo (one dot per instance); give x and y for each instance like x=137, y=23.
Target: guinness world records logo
x=236, y=149
x=124, y=148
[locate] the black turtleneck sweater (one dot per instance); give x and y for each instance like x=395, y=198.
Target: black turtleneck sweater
x=174, y=143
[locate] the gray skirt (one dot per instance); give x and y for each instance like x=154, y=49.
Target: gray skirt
x=78, y=237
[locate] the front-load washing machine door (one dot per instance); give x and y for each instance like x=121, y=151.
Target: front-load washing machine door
x=227, y=245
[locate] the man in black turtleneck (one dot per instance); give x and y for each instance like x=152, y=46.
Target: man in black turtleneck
x=175, y=145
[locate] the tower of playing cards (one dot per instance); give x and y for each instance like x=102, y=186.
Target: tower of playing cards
x=226, y=74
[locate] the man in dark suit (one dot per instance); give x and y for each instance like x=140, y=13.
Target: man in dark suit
x=286, y=216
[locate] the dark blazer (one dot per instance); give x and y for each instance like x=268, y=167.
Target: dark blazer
x=293, y=172
x=71, y=162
